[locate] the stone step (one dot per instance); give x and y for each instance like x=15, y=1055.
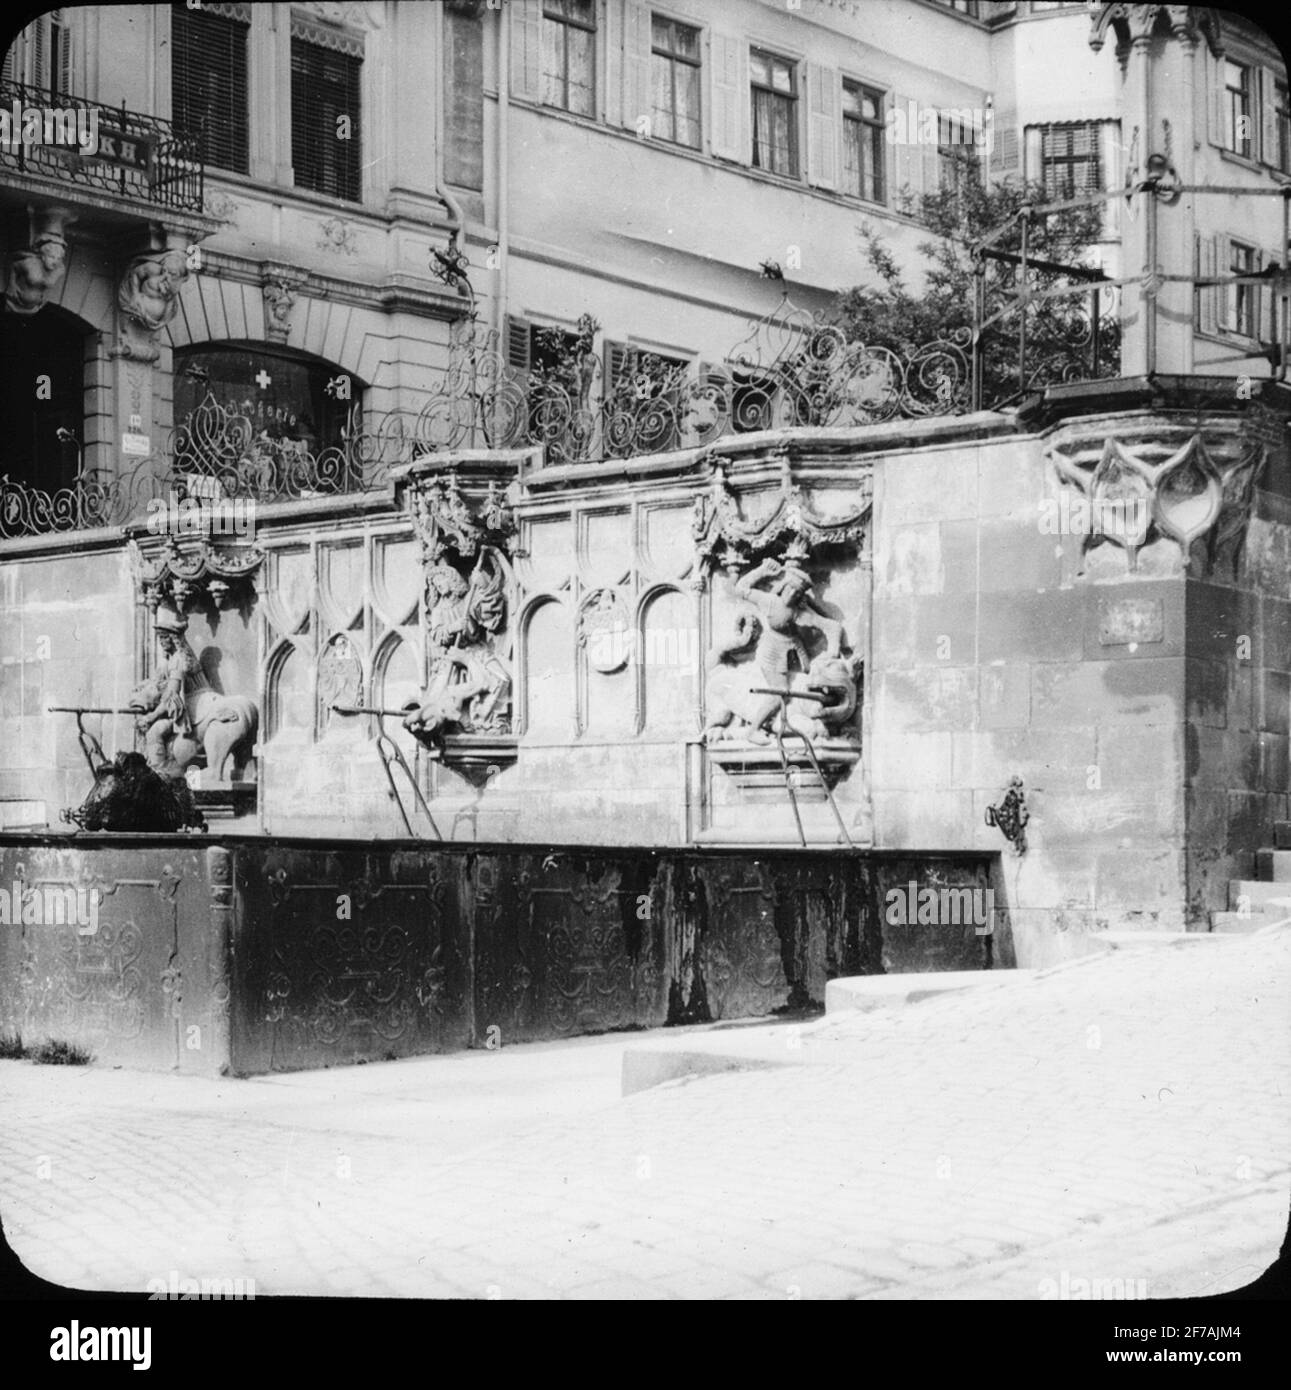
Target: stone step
x=1273, y=865
x=1282, y=834
x=867, y=992
x=1257, y=892
x=1235, y=923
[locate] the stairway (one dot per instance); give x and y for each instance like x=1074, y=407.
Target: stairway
x=1260, y=901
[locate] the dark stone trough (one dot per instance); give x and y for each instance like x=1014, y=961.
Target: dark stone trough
x=223, y=955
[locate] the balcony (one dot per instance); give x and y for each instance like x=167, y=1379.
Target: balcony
x=141, y=159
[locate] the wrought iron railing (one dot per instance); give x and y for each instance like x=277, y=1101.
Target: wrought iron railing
x=138, y=156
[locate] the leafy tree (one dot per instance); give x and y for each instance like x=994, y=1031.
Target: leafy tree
x=888, y=313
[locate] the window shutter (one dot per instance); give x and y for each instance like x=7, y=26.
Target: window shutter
x=63, y=69
x=1268, y=98
x=519, y=338
x=824, y=93
x=11, y=71
x=1033, y=154
x=636, y=64
x=907, y=181
x=730, y=91
x=1003, y=159
x=1215, y=97
x=526, y=48
x=930, y=159
x=1222, y=259
x=40, y=52
x=616, y=363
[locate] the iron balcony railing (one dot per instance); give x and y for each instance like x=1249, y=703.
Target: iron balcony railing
x=139, y=157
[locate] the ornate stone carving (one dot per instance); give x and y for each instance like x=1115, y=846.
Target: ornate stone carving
x=745, y=700
x=1138, y=23
x=1129, y=495
x=36, y=272
x=279, y=301
x=335, y=235
x=185, y=575
x=149, y=290
x=465, y=548
x=723, y=536
x=182, y=717
x=603, y=631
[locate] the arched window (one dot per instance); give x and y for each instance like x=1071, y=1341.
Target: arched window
x=42, y=396
x=287, y=395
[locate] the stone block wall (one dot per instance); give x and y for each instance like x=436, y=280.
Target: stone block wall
x=994, y=656
x=67, y=637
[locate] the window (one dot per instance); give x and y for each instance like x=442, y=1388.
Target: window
x=209, y=83
x=1069, y=164
x=1280, y=155
x=569, y=55
x=674, y=79
x=325, y=74
x=1237, y=108
x=775, y=113
x=1242, y=261
x=863, y=142
x=284, y=397
x=956, y=147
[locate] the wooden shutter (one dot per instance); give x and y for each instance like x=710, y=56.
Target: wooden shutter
x=730, y=98
x=1207, y=297
x=1003, y=159
x=1033, y=154
x=519, y=338
x=11, y=71
x=637, y=30
x=526, y=48
x=63, y=74
x=1215, y=97
x=1222, y=260
x=824, y=96
x=617, y=361
x=907, y=174
x=40, y=52
x=1267, y=95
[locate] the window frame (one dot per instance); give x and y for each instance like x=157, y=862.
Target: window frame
x=1070, y=162
x=1244, y=305
x=878, y=127
x=352, y=48
x=794, y=98
x=673, y=58
x=567, y=22
x=207, y=156
x=1245, y=147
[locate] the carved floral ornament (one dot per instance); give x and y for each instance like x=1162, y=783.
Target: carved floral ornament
x=1204, y=489
x=185, y=575
x=725, y=538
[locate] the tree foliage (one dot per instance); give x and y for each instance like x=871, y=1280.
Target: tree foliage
x=960, y=215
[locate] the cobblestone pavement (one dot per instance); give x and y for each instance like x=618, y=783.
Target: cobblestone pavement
x=1125, y=1119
